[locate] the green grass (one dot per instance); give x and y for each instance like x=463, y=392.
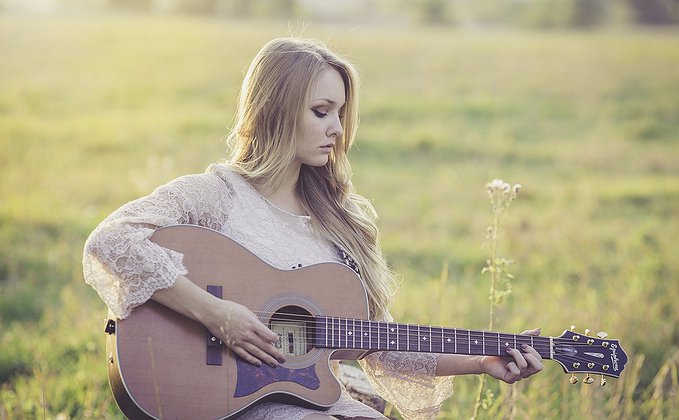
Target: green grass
x=96, y=111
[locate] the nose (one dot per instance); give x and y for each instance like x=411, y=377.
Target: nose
x=335, y=130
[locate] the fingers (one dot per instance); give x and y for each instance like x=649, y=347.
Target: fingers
x=256, y=350
x=526, y=363
x=514, y=369
x=245, y=334
x=534, y=363
x=261, y=355
x=536, y=331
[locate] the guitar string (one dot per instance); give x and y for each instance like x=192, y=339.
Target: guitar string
x=384, y=326
x=543, y=345
x=434, y=349
x=566, y=358
x=463, y=337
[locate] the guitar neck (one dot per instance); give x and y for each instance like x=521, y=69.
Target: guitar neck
x=346, y=333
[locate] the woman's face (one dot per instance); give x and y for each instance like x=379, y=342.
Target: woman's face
x=321, y=126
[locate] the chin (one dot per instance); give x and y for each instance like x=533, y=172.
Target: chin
x=317, y=163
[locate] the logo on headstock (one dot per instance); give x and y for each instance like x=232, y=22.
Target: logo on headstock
x=614, y=357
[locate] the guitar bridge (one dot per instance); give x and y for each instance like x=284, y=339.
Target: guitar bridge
x=214, y=345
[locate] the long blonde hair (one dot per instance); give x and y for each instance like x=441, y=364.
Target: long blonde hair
x=275, y=91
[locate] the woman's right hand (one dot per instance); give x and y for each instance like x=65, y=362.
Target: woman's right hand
x=233, y=323
x=241, y=331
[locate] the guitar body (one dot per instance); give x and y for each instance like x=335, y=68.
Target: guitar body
x=158, y=360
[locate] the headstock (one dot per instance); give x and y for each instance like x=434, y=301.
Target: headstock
x=581, y=353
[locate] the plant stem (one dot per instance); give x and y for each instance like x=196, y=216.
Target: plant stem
x=491, y=313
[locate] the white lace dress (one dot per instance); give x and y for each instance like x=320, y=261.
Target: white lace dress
x=125, y=269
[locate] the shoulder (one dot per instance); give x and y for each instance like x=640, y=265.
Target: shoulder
x=212, y=181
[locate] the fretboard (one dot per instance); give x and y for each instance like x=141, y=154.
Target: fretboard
x=347, y=333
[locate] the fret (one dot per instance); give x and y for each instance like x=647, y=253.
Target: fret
x=515, y=341
x=505, y=340
x=474, y=346
x=408, y=337
x=326, y=331
x=418, y=338
x=362, y=345
x=443, y=350
x=392, y=337
x=483, y=340
x=370, y=336
x=469, y=340
x=526, y=339
x=375, y=331
x=448, y=336
x=332, y=333
x=436, y=339
x=455, y=332
x=384, y=336
x=428, y=338
x=341, y=333
x=337, y=337
x=498, y=344
x=412, y=337
x=353, y=333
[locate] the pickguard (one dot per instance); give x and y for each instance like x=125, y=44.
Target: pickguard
x=252, y=378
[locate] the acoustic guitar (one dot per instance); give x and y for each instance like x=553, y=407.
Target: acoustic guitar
x=164, y=365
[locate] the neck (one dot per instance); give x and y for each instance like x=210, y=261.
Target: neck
x=343, y=333
x=283, y=194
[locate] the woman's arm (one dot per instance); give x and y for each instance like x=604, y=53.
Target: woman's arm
x=517, y=365
x=229, y=321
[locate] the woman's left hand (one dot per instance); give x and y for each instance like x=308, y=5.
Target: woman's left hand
x=518, y=364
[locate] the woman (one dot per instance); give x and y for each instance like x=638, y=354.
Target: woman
x=286, y=195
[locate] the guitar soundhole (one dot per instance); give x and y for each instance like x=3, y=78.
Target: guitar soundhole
x=295, y=329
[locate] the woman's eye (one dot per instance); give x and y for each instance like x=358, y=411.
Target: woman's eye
x=318, y=113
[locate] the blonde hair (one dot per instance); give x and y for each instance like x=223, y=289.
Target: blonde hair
x=275, y=91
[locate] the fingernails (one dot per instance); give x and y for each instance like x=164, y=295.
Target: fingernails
x=524, y=346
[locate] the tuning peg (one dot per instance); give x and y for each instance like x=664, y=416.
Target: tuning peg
x=603, y=380
x=574, y=379
x=602, y=334
x=587, y=331
x=588, y=380
x=573, y=328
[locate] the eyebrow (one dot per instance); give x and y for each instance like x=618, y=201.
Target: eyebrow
x=330, y=101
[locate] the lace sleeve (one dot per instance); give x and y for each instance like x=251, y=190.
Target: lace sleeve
x=409, y=382
x=124, y=266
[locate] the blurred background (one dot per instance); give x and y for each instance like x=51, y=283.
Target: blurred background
x=577, y=100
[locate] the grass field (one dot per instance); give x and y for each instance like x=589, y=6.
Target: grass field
x=96, y=111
